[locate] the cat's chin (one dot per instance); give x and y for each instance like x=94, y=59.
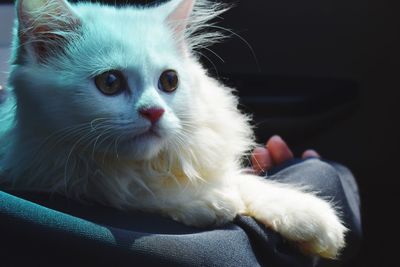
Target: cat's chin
x=142, y=147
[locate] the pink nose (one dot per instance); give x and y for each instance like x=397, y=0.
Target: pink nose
x=152, y=114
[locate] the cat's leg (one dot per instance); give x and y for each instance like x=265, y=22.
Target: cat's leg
x=301, y=217
x=212, y=205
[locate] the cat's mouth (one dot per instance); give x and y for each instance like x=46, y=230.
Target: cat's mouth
x=151, y=132
x=149, y=135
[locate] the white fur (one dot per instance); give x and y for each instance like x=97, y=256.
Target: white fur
x=71, y=139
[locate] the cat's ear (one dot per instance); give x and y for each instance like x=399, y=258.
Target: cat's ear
x=178, y=15
x=44, y=26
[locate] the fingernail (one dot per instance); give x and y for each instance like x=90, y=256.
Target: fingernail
x=278, y=138
x=312, y=153
x=274, y=138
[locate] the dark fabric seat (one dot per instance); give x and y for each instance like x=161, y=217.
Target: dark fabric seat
x=39, y=229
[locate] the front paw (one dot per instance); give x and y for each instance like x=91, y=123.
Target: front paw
x=325, y=237
x=312, y=224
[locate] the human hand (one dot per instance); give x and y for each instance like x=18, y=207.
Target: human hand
x=275, y=152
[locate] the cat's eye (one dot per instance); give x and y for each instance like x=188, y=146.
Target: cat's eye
x=110, y=82
x=168, y=81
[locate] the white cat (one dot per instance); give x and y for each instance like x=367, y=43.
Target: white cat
x=112, y=106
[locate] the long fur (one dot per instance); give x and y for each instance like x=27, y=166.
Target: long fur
x=64, y=136
x=189, y=158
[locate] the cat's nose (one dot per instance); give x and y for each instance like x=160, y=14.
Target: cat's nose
x=152, y=114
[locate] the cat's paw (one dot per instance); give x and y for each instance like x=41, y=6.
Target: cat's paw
x=312, y=224
x=326, y=238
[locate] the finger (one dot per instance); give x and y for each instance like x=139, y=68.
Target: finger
x=261, y=160
x=279, y=150
x=310, y=154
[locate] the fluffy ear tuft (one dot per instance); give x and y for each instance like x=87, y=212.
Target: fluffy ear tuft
x=44, y=25
x=179, y=16
x=190, y=21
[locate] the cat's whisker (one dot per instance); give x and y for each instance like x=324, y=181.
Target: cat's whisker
x=43, y=148
x=215, y=54
x=117, y=141
x=96, y=120
x=69, y=156
x=243, y=40
x=108, y=134
x=209, y=60
x=98, y=137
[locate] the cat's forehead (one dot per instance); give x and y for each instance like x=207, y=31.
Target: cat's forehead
x=132, y=22
x=96, y=12
x=125, y=36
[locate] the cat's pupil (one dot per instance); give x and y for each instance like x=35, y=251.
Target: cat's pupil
x=168, y=81
x=170, y=77
x=111, y=82
x=111, y=79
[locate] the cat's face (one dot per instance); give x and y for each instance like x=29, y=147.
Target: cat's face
x=114, y=81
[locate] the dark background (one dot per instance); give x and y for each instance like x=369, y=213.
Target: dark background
x=321, y=47
x=356, y=40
